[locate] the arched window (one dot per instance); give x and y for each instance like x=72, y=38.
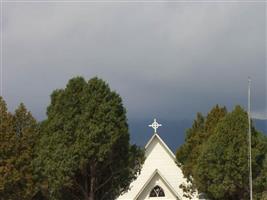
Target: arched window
x=157, y=191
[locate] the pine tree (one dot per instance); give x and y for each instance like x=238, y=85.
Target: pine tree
x=16, y=152
x=84, y=151
x=222, y=168
x=214, y=156
x=25, y=128
x=260, y=173
x=8, y=173
x=189, y=151
x=216, y=114
x=202, y=129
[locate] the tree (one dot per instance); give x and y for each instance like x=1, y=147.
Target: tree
x=260, y=182
x=8, y=173
x=17, y=136
x=188, y=153
x=216, y=114
x=202, y=129
x=84, y=150
x=222, y=168
x=201, y=154
x=25, y=128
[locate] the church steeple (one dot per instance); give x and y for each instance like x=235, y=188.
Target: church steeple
x=160, y=176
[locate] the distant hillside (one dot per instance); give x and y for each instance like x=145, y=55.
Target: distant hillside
x=172, y=132
x=261, y=125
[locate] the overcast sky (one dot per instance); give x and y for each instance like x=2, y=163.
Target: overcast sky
x=166, y=61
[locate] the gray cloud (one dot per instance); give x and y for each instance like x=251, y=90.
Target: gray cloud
x=165, y=61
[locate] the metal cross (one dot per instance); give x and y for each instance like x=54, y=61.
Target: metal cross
x=155, y=126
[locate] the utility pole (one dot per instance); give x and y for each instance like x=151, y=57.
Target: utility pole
x=249, y=141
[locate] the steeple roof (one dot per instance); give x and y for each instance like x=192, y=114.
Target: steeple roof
x=159, y=168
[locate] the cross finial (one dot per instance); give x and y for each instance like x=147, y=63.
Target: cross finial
x=155, y=125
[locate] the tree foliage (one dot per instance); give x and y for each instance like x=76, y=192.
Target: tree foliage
x=201, y=130
x=84, y=150
x=17, y=139
x=220, y=166
x=188, y=153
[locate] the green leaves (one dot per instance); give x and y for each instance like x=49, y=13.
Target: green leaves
x=84, y=148
x=201, y=130
x=17, y=139
x=217, y=158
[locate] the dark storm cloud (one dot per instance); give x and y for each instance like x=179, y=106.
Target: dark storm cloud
x=165, y=61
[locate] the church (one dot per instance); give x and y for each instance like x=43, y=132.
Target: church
x=160, y=177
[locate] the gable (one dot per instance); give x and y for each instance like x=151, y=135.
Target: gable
x=157, y=180
x=160, y=165
x=154, y=140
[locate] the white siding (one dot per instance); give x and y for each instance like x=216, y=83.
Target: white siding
x=160, y=158
x=157, y=180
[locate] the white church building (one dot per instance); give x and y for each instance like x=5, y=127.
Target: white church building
x=160, y=177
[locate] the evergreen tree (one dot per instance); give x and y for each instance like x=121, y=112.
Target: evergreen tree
x=84, y=150
x=8, y=173
x=196, y=136
x=213, y=118
x=260, y=182
x=188, y=153
x=25, y=128
x=210, y=170
x=222, y=168
x=17, y=137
